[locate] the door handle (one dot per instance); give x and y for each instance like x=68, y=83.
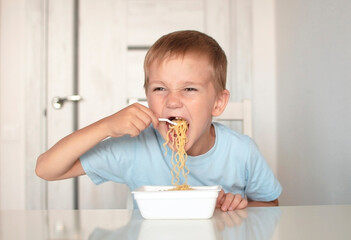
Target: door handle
x=58, y=102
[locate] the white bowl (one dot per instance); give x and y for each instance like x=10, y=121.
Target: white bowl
x=155, y=202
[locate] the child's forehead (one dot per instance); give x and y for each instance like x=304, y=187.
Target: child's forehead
x=195, y=69
x=181, y=57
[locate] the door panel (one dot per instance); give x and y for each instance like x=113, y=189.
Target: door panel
x=60, y=83
x=102, y=83
x=150, y=19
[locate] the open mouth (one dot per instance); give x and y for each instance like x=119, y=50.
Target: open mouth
x=178, y=120
x=180, y=124
x=175, y=118
x=177, y=133
x=175, y=122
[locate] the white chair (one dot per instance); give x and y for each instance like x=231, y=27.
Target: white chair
x=238, y=111
x=142, y=101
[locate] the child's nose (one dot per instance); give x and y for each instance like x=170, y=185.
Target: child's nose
x=173, y=100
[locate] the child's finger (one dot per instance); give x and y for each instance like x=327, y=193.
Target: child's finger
x=137, y=127
x=130, y=120
x=150, y=116
x=220, y=199
x=229, y=197
x=235, y=203
x=242, y=204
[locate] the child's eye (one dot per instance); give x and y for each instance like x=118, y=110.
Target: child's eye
x=190, y=89
x=159, y=89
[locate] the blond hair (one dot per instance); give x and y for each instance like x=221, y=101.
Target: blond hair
x=180, y=43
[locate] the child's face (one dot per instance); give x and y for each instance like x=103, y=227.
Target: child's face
x=183, y=87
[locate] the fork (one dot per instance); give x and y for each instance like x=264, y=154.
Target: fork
x=167, y=120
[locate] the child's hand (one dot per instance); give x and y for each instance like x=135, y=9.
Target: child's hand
x=131, y=120
x=230, y=202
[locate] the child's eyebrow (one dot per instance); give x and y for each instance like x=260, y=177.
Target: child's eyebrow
x=156, y=82
x=180, y=85
x=192, y=83
x=187, y=83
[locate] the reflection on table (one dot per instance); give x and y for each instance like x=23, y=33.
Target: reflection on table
x=299, y=222
x=243, y=224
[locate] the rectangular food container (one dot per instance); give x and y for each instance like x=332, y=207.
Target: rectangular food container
x=156, y=202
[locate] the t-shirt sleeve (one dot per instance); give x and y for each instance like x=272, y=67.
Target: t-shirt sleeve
x=110, y=160
x=261, y=185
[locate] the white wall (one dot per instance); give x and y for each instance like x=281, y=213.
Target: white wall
x=11, y=112
x=264, y=80
x=314, y=100
x=21, y=116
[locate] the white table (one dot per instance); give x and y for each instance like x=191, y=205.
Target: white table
x=296, y=222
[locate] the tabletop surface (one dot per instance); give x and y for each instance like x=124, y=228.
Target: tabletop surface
x=295, y=222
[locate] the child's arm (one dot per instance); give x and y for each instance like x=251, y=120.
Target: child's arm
x=263, y=204
x=62, y=160
x=230, y=202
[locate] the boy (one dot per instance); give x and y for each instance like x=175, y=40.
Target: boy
x=185, y=77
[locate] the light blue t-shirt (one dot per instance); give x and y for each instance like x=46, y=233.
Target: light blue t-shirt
x=234, y=162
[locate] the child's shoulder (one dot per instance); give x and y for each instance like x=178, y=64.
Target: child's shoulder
x=226, y=137
x=227, y=132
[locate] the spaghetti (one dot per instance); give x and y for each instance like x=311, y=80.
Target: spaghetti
x=177, y=135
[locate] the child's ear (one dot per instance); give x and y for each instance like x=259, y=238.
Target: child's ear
x=221, y=103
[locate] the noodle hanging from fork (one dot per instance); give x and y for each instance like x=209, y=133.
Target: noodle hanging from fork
x=177, y=135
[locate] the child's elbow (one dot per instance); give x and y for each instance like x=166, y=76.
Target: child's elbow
x=275, y=202
x=40, y=169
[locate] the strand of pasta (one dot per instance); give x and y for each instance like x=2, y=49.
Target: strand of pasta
x=178, y=136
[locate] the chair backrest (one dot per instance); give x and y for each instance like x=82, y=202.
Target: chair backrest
x=238, y=111
x=142, y=101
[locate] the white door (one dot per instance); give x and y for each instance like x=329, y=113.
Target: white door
x=98, y=71
x=59, y=83
x=113, y=37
